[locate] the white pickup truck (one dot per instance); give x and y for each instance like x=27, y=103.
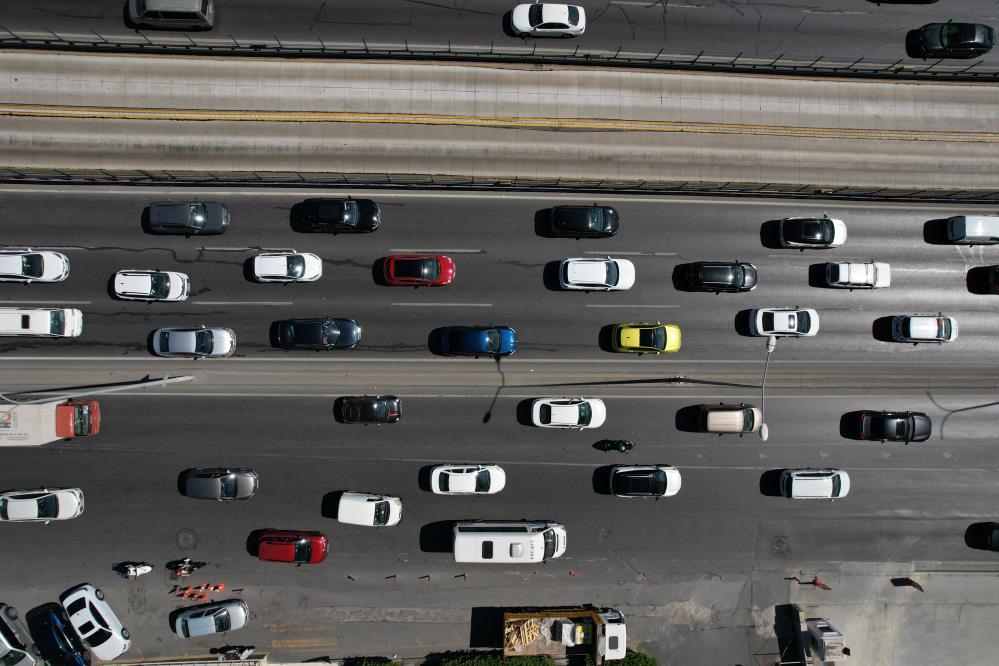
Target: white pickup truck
x=868, y=275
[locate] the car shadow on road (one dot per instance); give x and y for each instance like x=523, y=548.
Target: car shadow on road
x=688, y=419
x=435, y=341
x=253, y=542
x=423, y=478
x=817, y=276
x=524, y=412
x=378, y=272
x=679, y=278
x=769, y=236
x=437, y=537
x=542, y=223
x=741, y=323
x=935, y=232
x=507, y=25
x=770, y=483
x=979, y=280
x=550, y=276
x=248, y=271
x=977, y=535
x=486, y=629
x=601, y=479
x=330, y=507
x=912, y=45
x=605, y=338
x=881, y=329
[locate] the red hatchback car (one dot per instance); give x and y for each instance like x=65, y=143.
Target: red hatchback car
x=292, y=546
x=419, y=270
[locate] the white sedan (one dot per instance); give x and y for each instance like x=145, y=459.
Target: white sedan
x=27, y=265
x=287, y=267
x=548, y=20
x=95, y=622
x=575, y=413
x=41, y=505
x=194, y=342
x=137, y=285
x=596, y=274
x=467, y=479
x=784, y=322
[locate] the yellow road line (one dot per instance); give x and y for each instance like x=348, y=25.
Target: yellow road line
x=508, y=122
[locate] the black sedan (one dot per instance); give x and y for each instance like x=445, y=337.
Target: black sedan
x=895, y=426
x=954, y=40
x=367, y=409
x=584, y=221
x=717, y=276
x=318, y=333
x=54, y=636
x=340, y=215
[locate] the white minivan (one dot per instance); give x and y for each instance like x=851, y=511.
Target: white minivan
x=508, y=542
x=44, y=322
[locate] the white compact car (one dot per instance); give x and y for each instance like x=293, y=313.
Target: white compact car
x=28, y=265
x=814, y=483
x=138, y=285
x=95, y=622
x=214, y=618
x=923, y=328
x=576, y=413
x=40, y=505
x=596, y=274
x=212, y=341
x=544, y=19
x=287, y=267
x=644, y=480
x=783, y=322
x=467, y=479
x=369, y=510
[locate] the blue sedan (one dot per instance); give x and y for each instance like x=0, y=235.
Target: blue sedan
x=496, y=341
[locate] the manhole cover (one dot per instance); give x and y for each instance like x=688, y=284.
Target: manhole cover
x=780, y=544
x=186, y=539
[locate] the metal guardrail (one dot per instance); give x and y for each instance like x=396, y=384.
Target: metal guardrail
x=297, y=180
x=822, y=66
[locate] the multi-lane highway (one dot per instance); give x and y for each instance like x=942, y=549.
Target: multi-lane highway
x=840, y=29
x=271, y=410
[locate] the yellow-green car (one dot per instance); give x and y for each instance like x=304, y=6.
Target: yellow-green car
x=646, y=338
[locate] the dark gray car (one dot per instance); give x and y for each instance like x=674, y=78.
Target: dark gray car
x=219, y=483
x=188, y=218
x=717, y=276
x=15, y=648
x=955, y=40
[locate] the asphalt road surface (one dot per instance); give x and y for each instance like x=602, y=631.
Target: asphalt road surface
x=837, y=29
x=907, y=503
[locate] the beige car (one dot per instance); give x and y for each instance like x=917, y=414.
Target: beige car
x=722, y=419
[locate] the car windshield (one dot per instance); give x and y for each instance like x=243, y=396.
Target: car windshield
x=653, y=338
x=99, y=637
x=296, y=266
x=303, y=550
x=229, y=485
x=584, y=413
x=98, y=618
x=417, y=269
x=48, y=506
x=203, y=342
x=551, y=541
x=836, y=485
x=57, y=323
x=31, y=265
x=199, y=214
x=3, y=510
x=956, y=34
x=573, y=15
x=612, y=272
x=351, y=213
x=482, y=481
x=534, y=15
x=492, y=341
x=222, y=621
x=381, y=513
x=82, y=420
x=159, y=285
x=943, y=328
x=804, y=322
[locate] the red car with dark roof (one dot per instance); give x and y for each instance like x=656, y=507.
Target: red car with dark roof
x=419, y=270
x=292, y=546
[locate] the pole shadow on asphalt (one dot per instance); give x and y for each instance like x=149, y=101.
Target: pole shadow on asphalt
x=488, y=416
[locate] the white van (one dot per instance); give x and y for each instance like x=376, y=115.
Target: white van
x=973, y=229
x=508, y=541
x=45, y=322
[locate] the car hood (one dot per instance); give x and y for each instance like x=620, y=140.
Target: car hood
x=350, y=333
x=923, y=427
x=751, y=277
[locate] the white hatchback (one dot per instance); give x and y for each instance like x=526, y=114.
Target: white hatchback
x=574, y=413
x=467, y=479
x=544, y=19
x=95, y=622
x=139, y=285
x=596, y=274
x=923, y=328
x=40, y=505
x=28, y=265
x=784, y=322
x=289, y=266
x=369, y=510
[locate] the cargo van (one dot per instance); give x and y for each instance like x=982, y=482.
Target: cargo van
x=720, y=418
x=45, y=322
x=973, y=229
x=508, y=542
x=172, y=14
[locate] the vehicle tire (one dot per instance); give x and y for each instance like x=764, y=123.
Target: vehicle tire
x=10, y=612
x=99, y=594
x=125, y=634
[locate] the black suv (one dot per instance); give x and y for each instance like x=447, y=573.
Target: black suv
x=954, y=40
x=340, y=215
x=367, y=409
x=584, y=221
x=716, y=276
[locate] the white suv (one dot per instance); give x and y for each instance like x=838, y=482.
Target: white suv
x=814, y=483
x=134, y=285
x=923, y=328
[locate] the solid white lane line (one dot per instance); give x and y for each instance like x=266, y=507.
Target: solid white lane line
x=265, y=303
x=38, y=302
x=410, y=250
x=632, y=253
x=444, y=305
x=204, y=248
x=339, y=359
x=628, y=305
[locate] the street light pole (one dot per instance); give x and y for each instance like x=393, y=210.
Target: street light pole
x=764, y=431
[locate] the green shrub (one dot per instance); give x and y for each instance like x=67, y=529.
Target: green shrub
x=633, y=658
x=492, y=659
